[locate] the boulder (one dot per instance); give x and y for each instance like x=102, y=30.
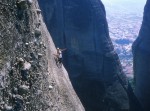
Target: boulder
x=8, y=108
x=23, y=89
x=37, y=32
x=22, y=4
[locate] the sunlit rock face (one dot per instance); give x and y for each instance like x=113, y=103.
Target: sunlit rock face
x=93, y=66
x=29, y=77
x=141, y=50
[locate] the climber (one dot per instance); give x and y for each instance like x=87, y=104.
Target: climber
x=59, y=56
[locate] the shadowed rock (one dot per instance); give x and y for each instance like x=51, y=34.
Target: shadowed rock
x=93, y=65
x=141, y=52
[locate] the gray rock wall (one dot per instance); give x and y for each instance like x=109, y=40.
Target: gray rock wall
x=141, y=52
x=93, y=65
x=29, y=77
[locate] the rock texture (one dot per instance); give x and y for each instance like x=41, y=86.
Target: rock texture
x=29, y=77
x=93, y=65
x=141, y=51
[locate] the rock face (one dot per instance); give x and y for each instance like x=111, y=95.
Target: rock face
x=29, y=77
x=93, y=65
x=141, y=52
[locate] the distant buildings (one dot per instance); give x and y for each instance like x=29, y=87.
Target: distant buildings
x=124, y=23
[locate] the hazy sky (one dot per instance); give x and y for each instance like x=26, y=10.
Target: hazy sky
x=124, y=6
x=123, y=1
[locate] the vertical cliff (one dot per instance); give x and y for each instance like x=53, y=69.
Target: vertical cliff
x=29, y=77
x=141, y=52
x=93, y=65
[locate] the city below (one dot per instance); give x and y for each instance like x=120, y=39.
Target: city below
x=124, y=19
